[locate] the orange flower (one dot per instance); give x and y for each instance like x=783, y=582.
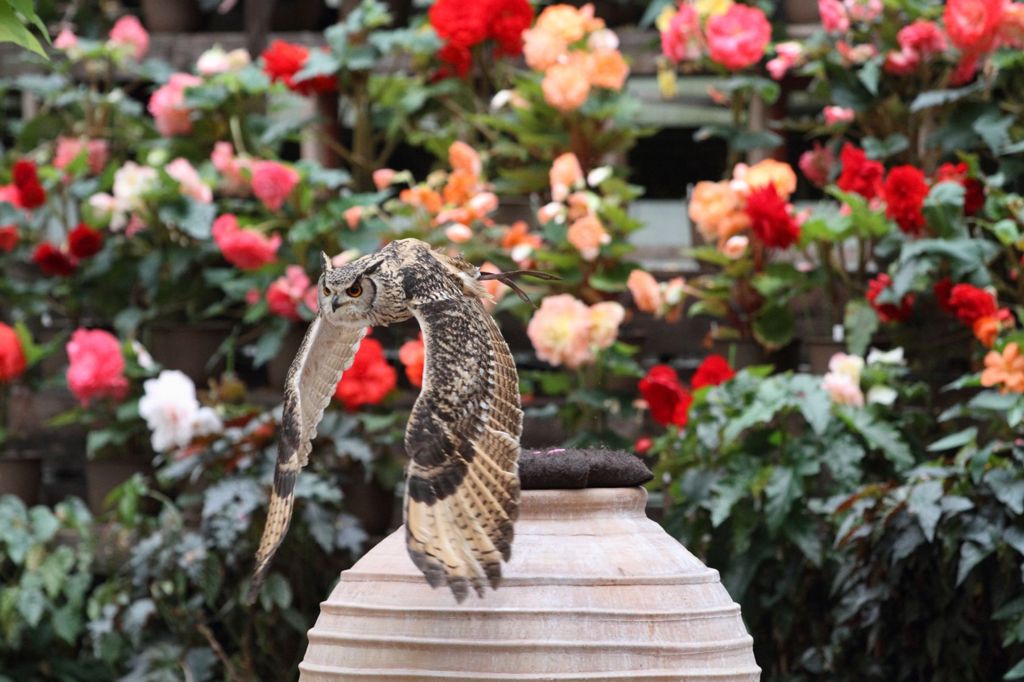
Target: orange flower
x=1006, y=368
x=608, y=69
x=353, y=215
x=462, y=157
x=460, y=188
x=565, y=173
x=422, y=197
x=579, y=205
x=772, y=172
x=645, y=290
x=588, y=234
x=542, y=49
x=987, y=328
x=567, y=22
x=717, y=210
x=566, y=86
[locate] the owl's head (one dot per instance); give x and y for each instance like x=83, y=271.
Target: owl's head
x=360, y=294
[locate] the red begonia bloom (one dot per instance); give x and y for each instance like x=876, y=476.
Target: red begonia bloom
x=905, y=191
x=859, y=174
x=370, y=378
x=888, y=312
x=668, y=401
x=714, y=370
x=770, y=219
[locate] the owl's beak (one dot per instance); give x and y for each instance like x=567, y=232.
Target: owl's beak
x=335, y=302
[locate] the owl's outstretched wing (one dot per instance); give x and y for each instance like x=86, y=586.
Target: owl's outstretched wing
x=462, y=490
x=326, y=352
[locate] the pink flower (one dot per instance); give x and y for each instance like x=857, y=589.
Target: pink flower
x=352, y=215
x=96, y=366
x=272, y=182
x=816, y=164
x=842, y=390
x=965, y=70
x=737, y=39
x=735, y=246
x=788, y=55
x=834, y=115
x=833, y=16
x=191, y=184
x=231, y=167
x=857, y=54
x=382, y=177
x=865, y=11
x=245, y=249
x=565, y=174
x=66, y=39
x=167, y=105
x=560, y=331
x=128, y=32
x=681, y=39
x=69, y=148
x=286, y=292
x=458, y=233
x=973, y=25
x=1011, y=31
x=902, y=63
x=923, y=37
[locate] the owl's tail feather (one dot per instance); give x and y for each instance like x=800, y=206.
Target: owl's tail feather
x=506, y=278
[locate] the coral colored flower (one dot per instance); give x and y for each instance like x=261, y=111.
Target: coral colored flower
x=834, y=115
x=245, y=249
x=834, y=18
x=904, y=192
x=588, y=235
x=543, y=50
x=738, y=38
x=1005, y=369
x=642, y=445
x=856, y=54
x=8, y=238
x=902, y=63
x=668, y=401
x=1011, y=31
x=770, y=219
x=286, y=293
x=712, y=371
x=888, y=312
x=605, y=318
x=645, y=290
x=974, y=191
x=167, y=105
x=382, y=177
x=173, y=413
x=422, y=197
x=566, y=86
x=370, y=378
x=283, y=60
x=569, y=23
x=53, y=261
x=859, y=174
x=352, y=215
x=12, y=355
x=986, y=329
x=770, y=171
x=788, y=55
x=565, y=174
x=842, y=390
x=681, y=41
x=70, y=148
x=273, y=182
x=735, y=246
x=923, y=37
x=560, y=331
x=84, y=241
x=464, y=158
x=412, y=355
x=608, y=69
x=96, y=366
x=973, y=25
x=458, y=233
x=519, y=242
x=817, y=164
x=970, y=303
x=495, y=289
x=717, y=210
x=128, y=33
x=190, y=184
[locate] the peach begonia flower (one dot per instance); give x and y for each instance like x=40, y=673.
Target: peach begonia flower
x=645, y=290
x=565, y=174
x=1005, y=369
x=464, y=158
x=560, y=331
x=566, y=86
x=847, y=365
x=770, y=171
x=423, y=197
x=352, y=215
x=588, y=235
x=735, y=246
x=843, y=390
x=568, y=23
x=608, y=69
x=519, y=242
x=580, y=204
x=542, y=49
x=717, y=210
x=382, y=177
x=605, y=318
x=496, y=289
x=458, y=233
x=461, y=187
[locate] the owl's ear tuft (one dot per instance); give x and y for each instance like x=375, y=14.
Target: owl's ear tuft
x=325, y=262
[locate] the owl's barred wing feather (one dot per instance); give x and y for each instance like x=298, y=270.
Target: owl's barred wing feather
x=326, y=352
x=462, y=495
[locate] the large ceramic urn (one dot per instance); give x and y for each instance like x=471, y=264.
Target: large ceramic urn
x=594, y=591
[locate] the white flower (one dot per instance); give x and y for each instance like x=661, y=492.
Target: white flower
x=892, y=357
x=142, y=356
x=882, y=395
x=604, y=39
x=841, y=389
x=847, y=365
x=216, y=60
x=172, y=411
x=735, y=246
x=599, y=175
x=131, y=182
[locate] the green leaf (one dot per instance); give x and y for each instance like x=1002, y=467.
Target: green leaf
x=774, y=326
x=923, y=503
x=883, y=149
x=971, y=555
x=1008, y=489
x=994, y=129
x=937, y=98
x=782, y=490
x=1016, y=672
x=860, y=323
x=954, y=440
x=31, y=600
x=879, y=435
x=12, y=30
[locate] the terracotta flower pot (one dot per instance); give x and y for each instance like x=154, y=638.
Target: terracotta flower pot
x=594, y=591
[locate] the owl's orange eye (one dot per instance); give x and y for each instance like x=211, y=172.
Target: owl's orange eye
x=355, y=291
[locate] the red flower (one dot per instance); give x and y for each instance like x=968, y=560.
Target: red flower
x=888, y=312
x=369, y=379
x=53, y=261
x=973, y=25
x=941, y=290
x=974, y=191
x=12, y=355
x=32, y=195
x=8, y=238
x=859, y=174
x=714, y=370
x=668, y=400
x=642, y=445
x=461, y=22
x=509, y=18
x=282, y=60
x=84, y=241
x=970, y=304
x=770, y=218
x=24, y=173
x=905, y=191
x=412, y=355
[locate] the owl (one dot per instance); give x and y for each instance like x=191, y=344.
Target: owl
x=462, y=439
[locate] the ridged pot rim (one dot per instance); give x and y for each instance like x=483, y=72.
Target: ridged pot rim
x=559, y=503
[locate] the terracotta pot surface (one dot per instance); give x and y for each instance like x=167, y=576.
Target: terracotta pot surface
x=594, y=591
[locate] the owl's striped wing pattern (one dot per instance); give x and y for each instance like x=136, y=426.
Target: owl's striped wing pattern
x=462, y=489
x=326, y=352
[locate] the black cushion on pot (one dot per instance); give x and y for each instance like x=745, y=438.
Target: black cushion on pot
x=561, y=468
